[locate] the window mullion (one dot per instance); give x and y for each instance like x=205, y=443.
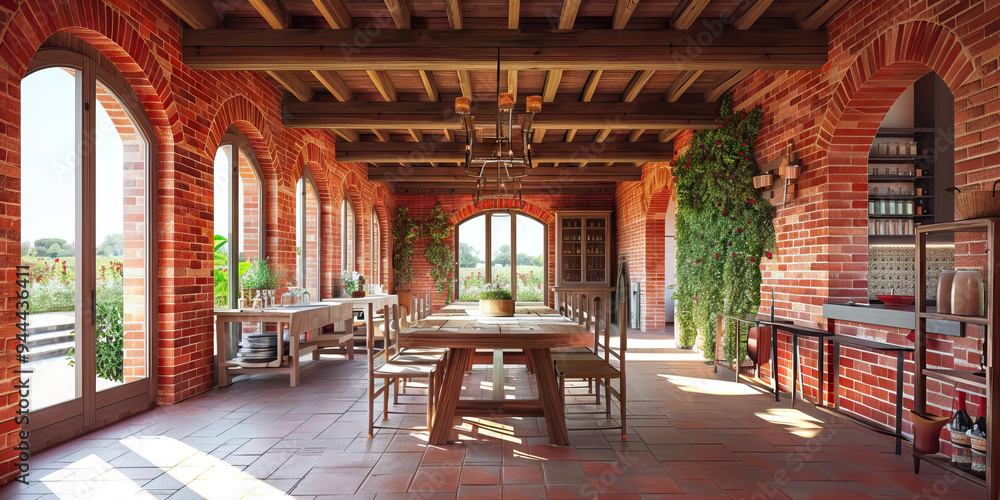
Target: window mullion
x=85, y=250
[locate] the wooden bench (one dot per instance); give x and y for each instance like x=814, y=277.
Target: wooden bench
x=336, y=338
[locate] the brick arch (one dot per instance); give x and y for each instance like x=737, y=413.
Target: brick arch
x=658, y=182
x=659, y=191
x=895, y=59
x=378, y=204
x=34, y=22
x=529, y=208
x=243, y=114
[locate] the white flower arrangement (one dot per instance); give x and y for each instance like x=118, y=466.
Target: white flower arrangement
x=353, y=281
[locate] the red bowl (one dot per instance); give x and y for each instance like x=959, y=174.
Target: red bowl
x=896, y=300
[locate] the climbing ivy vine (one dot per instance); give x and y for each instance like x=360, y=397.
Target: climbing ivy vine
x=439, y=252
x=724, y=229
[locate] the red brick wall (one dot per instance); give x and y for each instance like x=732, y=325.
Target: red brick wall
x=461, y=207
x=189, y=110
x=832, y=113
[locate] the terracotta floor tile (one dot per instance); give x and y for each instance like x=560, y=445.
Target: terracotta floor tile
x=387, y=483
x=602, y=468
x=480, y=474
x=480, y=492
x=445, y=454
x=569, y=491
x=437, y=478
x=522, y=475
x=523, y=491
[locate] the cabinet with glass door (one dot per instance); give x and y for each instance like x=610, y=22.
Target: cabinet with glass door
x=583, y=248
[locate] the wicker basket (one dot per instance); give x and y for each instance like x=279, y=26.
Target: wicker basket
x=976, y=204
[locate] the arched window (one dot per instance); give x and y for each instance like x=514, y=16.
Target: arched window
x=505, y=248
x=348, y=236
x=87, y=212
x=376, y=250
x=307, y=236
x=239, y=212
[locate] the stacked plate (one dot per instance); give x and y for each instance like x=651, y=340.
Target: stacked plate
x=259, y=348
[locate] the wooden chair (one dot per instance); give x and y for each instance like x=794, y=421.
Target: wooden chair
x=390, y=366
x=601, y=368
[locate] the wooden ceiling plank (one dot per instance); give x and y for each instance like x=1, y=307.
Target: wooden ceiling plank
x=412, y=50
x=430, y=85
x=513, y=14
x=382, y=135
x=570, y=135
x=465, y=82
x=335, y=13
x=686, y=13
x=591, y=85
x=417, y=135
x=453, y=152
x=635, y=85
x=512, y=83
x=749, y=12
x=424, y=109
x=198, y=14
x=274, y=12
x=634, y=135
x=680, y=84
x=335, y=84
x=384, y=85
x=623, y=12
x=453, y=8
x=816, y=13
x=551, y=85
x=294, y=84
x=567, y=14
x=400, y=12
x=724, y=82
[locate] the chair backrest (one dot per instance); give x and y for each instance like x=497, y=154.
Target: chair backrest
x=602, y=332
x=390, y=334
x=427, y=304
x=583, y=310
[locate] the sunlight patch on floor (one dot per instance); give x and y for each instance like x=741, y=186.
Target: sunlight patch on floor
x=709, y=386
x=473, y=426
x=200, y=472
x=92, y=477
x=798, y=423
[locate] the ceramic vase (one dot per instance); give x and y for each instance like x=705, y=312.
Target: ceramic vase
x=967, y=293
x=945, y=282
x=927, y=432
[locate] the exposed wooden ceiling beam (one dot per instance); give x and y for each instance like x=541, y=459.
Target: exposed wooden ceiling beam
x=383, y=137
x=623, y=12
x=686, y=13
x=383, y=84
x=634, y=135
x=561, y=115
x=453, y=8
x=749, y=12
x=348, y=135
x=294, y=84
x=724, y=82
x=400, y=13
x=467, y=50
x=335, y=13
x=445, y=152
x=198, y=14
x=817, y=12
x=591, y=85
x=465, y=82
x=635, y=85
x=274, y=12
x=428, y=175
x=512, y=83
x=567, y=14
x=529, y=188
x=335, y=84
x=430, y=85
x=551, y=85
x=668, y=135
x=513, y=14
x=680, y=84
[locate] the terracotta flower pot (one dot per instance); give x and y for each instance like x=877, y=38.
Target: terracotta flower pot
x=358, y=294
x=927, y=432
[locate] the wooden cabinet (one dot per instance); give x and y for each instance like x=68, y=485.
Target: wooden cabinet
x=981, y=234
x=583, y=247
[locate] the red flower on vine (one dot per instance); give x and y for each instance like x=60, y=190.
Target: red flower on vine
x=769, y=255
x=57, y=260
x=740, y=230
x=436, y=231
x=718, y=143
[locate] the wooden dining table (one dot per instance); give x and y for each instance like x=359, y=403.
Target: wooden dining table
x=533, y=333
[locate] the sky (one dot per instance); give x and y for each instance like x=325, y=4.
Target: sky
x=48, y=163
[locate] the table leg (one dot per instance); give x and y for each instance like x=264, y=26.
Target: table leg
x=548, y=387
x=774, y=363
x=498, y=374
x=222, y=372
x=899, y=401
x=835, y=366
x=450, y=389
x=795, y=366
x=293, y=357
x=821, y=368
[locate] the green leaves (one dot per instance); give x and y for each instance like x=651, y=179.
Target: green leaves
x=438, y=252
x=724, y=228
x=405, y=232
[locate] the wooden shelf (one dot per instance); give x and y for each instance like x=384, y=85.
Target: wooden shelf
x=898, y=197
x=595, y=252
x=954, y=375
x=903, y=131
x=899, y=158
x=899, y=178
x=899, y=216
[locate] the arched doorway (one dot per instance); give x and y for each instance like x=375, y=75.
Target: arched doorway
x=505, y=248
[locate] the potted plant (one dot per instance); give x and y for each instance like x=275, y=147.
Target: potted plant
x=495, y=301
x=259, y=283
x=354, y=283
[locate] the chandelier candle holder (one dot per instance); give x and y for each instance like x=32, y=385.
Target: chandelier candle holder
x=499, y=172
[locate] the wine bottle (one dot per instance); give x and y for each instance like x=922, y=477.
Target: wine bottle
x=959, y=425
x=977, y=436
x=980, y=425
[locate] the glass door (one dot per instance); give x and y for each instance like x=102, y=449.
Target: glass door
x=596, y=251
x=572, y=250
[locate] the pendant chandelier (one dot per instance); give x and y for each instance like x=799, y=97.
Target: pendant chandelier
x=499, y=165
